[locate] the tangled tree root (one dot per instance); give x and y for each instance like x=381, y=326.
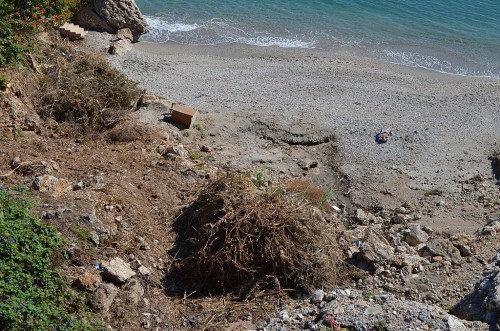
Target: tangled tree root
x=235, y=238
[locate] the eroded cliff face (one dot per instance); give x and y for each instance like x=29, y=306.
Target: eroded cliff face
x=111, y=16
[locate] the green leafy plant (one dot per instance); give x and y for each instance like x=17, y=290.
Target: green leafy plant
x=195, y=156
x=325, y=197
x=367, y=294
x=259, y=179
x=19, y=188
x=82, y=234
x=3, y=82
x=280, y=191
x=380, y=325
x=32, y=294
x=20, y=19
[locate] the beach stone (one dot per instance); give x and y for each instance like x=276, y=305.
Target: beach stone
x=355, y=235
x=103, y=298
x=454, y=324
x=364, y=217
x=398, y=219
x=178, y=150
x=412, y=260
x=117, y=271
x=134, y=291
x=48, y=183
x=88, y=282
x=94, y=237
x=441, y=247
x=317, y=296
x=491, y=228
x=144, y=271
x=416, y=236
x=125, y=34
x=111, y=16
x=465, y=250
x=376, y=249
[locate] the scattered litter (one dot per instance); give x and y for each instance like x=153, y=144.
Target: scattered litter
x=183, y=115
x=97, y=266
x=337, y=209
x=384, y=135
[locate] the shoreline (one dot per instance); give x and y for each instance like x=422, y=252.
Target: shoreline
x=445, y=124
x=348, y=51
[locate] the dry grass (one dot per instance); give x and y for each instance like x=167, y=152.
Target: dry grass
x=311, y=192
x=236, y=238
x=81, y=90
x=127, y=132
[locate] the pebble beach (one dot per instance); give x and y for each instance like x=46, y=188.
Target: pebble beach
x=446, y=125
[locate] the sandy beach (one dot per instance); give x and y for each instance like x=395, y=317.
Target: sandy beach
x=446, y=125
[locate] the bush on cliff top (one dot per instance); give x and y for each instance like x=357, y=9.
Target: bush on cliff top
x=32, y=294
x=20, y=19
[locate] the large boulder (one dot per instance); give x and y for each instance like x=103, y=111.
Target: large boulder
x=484, y=301
x=111, y=16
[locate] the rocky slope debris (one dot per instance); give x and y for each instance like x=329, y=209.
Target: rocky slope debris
x=484, y=301
x=363, y=311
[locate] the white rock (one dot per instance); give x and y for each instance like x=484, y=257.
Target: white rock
x=455, y=324
x=144, y=271
x=317, y=296
x=117, y=270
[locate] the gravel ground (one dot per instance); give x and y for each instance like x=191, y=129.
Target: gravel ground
x=356, y=310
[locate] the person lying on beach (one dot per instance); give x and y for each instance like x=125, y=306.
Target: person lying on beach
x=384, y=135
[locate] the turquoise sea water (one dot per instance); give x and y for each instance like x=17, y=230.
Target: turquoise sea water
x=453, y=36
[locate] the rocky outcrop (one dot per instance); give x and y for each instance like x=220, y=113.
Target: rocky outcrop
x=484, y=302
x=111, y=16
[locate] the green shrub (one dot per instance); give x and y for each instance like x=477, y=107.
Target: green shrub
x=3, y=82
x=32, y=294
x=20, y=18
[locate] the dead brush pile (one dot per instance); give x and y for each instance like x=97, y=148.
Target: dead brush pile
x=236, y=238
x=81, y=90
